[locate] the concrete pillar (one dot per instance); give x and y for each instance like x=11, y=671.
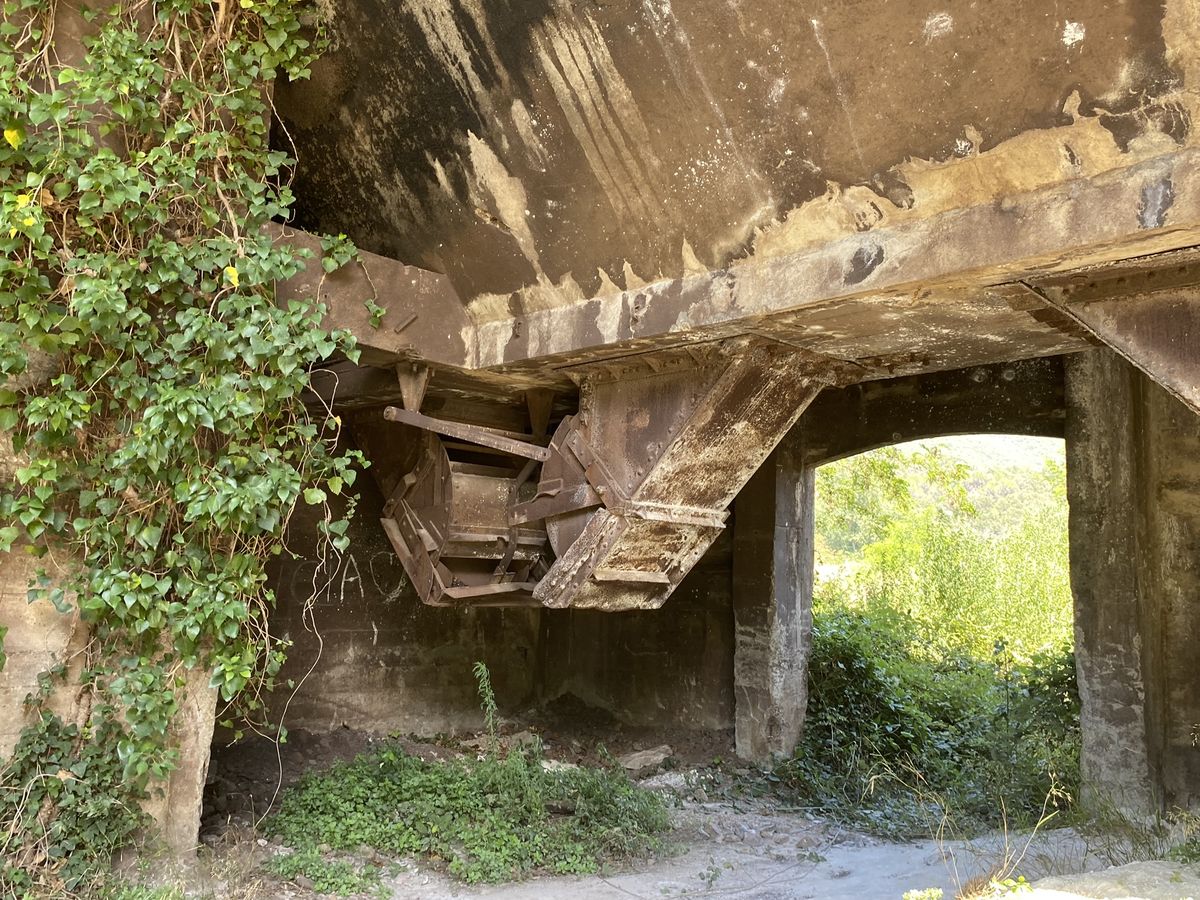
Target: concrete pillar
x=772, y=603
x=1133, y=477
x=175, y=804
x=38, y=638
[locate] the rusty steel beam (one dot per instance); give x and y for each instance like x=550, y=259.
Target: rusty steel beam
x=475, y=434
x=1150, y=316
x=1054, y=229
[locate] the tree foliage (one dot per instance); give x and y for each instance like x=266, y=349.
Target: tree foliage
x=150, y=384
x=978, y=556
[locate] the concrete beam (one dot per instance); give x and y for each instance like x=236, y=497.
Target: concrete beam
x=1024, y=397
x=772, y=604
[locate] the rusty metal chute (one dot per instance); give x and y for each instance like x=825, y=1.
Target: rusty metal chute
x=625, y=498
x=448, y=522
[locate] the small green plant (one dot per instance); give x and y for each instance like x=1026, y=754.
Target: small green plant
x=487, y=702
x=120, y=889
x=328, y=876
x=924, y=894
x=499, y=818
x=1008, y=887
x=376, y=311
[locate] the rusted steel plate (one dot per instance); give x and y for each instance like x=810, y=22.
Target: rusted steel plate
x=423, y=315
x=665, y=446
x=1160, y=334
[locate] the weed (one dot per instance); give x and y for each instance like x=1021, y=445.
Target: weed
x=116, y=889
x=896, y=737
x=328, y=876
x=487, y=702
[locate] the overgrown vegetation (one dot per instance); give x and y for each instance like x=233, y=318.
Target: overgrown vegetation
x=501, y=817
x=942, y=684
x=150, y=385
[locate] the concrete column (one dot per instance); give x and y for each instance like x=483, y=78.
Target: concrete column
x=772, y=603
x=175, y=804
x=1133, y=476
x=38, y=638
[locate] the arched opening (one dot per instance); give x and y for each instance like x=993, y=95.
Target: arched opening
x=941, y=670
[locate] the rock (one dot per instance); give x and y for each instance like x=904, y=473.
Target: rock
x=1155, y=880
x=557, y=765
x=676, y=782
x=522, y=739
x=645, y=762
x=303, y=881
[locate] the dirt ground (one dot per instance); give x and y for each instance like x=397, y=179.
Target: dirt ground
x=729, y=845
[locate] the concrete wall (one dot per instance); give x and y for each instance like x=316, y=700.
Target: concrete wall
x=382, y=661
x=1133, y=473
x=540, y=152
x=670, y=666
x=369, y=655
x=40, y=638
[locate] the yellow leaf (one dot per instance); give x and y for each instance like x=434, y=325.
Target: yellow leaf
x=231, y=273
x=23, y=200
x=12, y=232
x=246, y=4
x=28, y=220
x=14, y=136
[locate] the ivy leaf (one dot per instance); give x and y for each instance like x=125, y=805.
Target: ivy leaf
x=14, y=136
x=8, y=535
x=231, y=273
x=314, y=496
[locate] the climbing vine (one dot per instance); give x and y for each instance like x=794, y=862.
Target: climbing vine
x=151, y=388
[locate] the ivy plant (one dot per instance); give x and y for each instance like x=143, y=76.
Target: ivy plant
x=150, y=385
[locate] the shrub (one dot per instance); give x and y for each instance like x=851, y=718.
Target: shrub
x=900, y=733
